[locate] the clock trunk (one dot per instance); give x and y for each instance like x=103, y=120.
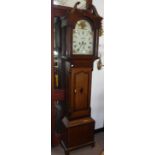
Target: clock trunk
x=78, y=84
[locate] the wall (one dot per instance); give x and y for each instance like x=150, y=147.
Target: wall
x=97, y=97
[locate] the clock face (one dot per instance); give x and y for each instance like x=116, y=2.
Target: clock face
x=82, y=38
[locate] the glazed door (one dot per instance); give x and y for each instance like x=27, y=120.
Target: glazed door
x=80, y=96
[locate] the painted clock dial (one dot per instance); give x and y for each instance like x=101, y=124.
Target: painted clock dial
x=82, y=38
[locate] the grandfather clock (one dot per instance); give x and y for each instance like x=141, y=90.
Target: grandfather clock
x=80, y=36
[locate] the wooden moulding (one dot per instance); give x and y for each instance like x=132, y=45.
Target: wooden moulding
x=77, y=122
x=77, y=147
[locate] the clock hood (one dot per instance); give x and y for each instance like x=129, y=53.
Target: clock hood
x=89, y=14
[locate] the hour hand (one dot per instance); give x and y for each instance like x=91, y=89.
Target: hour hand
x=81, y=44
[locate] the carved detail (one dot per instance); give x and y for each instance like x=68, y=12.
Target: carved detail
x=93, y=9
x=76, y=4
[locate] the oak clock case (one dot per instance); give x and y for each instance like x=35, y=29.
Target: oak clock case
x=80, y=36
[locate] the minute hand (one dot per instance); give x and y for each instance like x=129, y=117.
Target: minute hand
x=83, y=44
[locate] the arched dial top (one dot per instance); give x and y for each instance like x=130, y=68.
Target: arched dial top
x=83, y=38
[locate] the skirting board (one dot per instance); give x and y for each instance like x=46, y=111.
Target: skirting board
x=99, y=130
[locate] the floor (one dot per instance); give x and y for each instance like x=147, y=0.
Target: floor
x=99, y=146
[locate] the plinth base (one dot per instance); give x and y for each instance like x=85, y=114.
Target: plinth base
x=77, y=133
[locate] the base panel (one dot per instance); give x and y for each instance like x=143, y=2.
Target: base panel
x=77, y=134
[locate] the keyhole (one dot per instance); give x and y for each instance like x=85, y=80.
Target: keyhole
x=81, y=90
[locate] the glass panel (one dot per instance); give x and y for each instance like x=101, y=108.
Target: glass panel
x=83, y=38
x=71, y=3
x=57, y=53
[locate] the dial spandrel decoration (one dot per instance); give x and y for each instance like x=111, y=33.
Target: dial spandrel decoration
x=83, y=38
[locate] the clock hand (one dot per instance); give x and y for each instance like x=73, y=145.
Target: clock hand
x=81, y=45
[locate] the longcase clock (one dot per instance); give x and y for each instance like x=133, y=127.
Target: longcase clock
x=80, y=36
